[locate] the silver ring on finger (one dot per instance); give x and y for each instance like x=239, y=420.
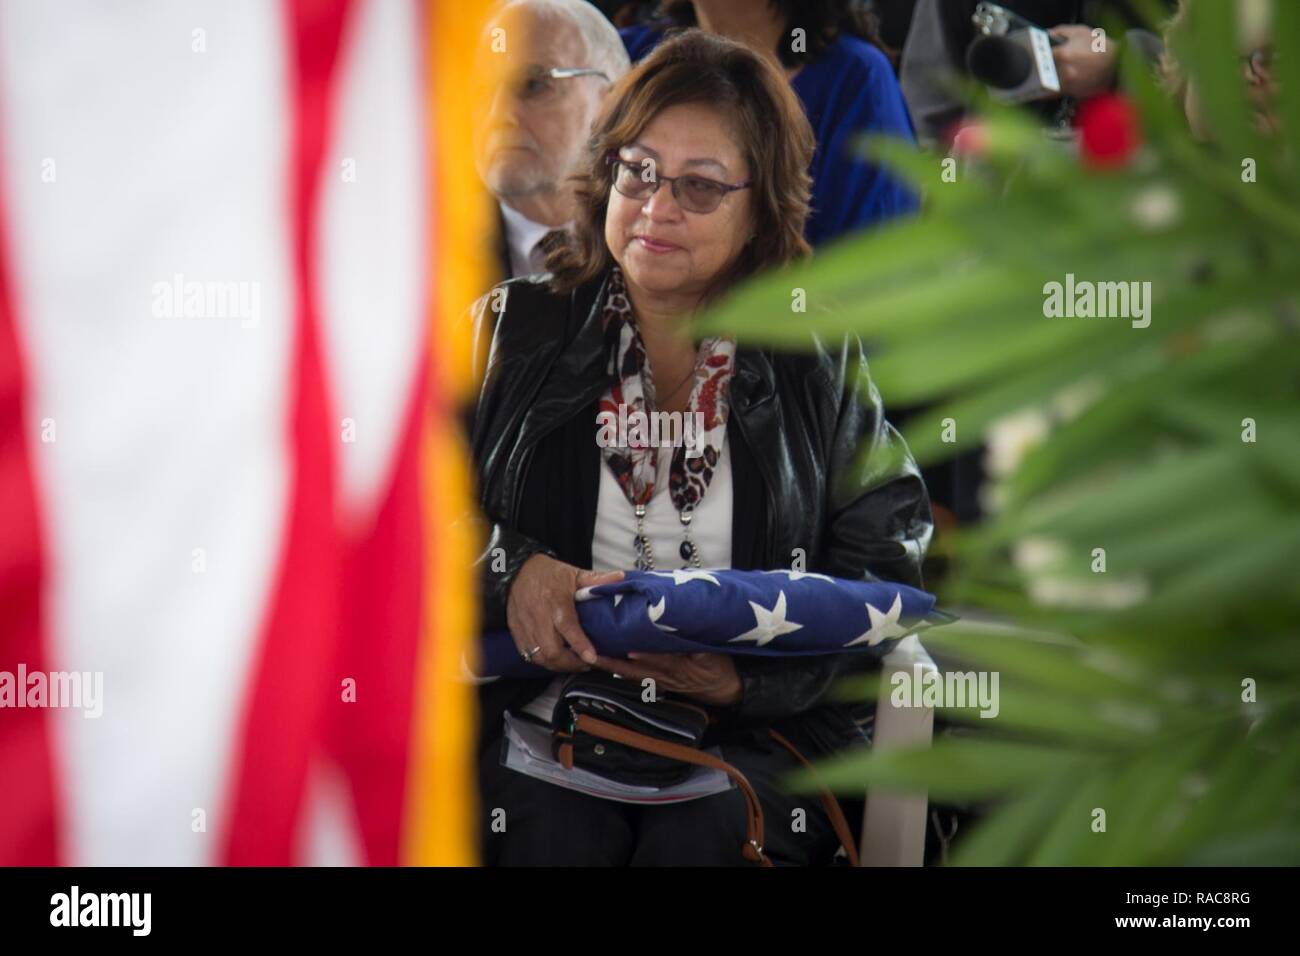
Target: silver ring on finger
x=528, y=655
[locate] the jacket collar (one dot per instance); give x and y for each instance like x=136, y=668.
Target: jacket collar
x=580, y=373
x=754, y=382
x=583, y=359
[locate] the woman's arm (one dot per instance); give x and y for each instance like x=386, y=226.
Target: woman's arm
x=499, y=564
x=878, y=528
x=774, y=687
x=506, y=549
x=524, y=586
x=878, y=513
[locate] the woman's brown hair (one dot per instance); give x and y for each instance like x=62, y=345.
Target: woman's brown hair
x=765, y=116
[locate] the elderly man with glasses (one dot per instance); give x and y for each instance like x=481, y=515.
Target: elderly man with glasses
x=557, y=61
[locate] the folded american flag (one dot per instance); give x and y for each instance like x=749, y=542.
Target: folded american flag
x=734, y=612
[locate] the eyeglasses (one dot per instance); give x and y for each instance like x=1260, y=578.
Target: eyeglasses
x=537, y=86
x=698, y=194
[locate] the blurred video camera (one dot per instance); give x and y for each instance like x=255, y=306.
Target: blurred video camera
x=1012, y=56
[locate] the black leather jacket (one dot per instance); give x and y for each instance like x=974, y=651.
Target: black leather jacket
x=813, y=460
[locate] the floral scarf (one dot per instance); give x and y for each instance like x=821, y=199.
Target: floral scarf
x=636, y=468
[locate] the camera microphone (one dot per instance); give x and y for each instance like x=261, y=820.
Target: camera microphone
x=998, y=62
x=1012, y=56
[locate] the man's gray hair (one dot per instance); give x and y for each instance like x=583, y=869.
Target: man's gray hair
x=605, y=48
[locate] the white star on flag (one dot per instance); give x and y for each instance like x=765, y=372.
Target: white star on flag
x=656, y=611
x=768, y=624
x=681, y=576
x=882, y=625
x=800, y=575
x=589, y=594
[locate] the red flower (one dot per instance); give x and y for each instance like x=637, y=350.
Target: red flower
x=968, y=137
x=1109, y=134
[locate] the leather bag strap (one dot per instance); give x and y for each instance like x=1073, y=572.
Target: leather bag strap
x=832, y=806
x=753, y=848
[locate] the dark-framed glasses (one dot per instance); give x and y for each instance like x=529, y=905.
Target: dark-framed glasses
x=639, y=180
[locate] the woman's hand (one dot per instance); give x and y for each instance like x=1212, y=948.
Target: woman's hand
x=709, y=678
x=542, y=617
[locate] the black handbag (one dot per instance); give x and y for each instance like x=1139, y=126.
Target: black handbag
x=602, y=724
x=609, y=700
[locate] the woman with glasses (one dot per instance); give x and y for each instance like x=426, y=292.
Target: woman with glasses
x=828, y=50
x=695, y=178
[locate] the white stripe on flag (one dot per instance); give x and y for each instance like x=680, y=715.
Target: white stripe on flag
x=374, y=268
x=169, y=430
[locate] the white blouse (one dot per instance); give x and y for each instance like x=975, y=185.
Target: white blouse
x=613, y=547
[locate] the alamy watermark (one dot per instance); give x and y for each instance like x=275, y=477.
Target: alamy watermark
x=927, y=687
x=1085, y=300
x=179, y=299
x=640, y=429
x=54, y=689
x=130, y=910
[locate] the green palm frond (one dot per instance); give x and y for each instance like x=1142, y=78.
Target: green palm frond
x=1141, y=711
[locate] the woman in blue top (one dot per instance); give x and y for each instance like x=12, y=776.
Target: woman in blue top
x=847, y=87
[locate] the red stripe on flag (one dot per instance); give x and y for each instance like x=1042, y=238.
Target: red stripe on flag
x=383, y=574
x=283, y=721
x=28, y=810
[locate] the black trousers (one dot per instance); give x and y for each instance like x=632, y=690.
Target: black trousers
x=540, y=824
